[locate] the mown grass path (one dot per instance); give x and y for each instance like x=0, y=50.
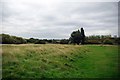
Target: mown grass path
x=59, y=61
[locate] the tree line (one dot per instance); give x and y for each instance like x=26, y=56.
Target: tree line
x=77, y=37
x=8, y=39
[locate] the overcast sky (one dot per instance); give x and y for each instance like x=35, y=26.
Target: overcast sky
x=58, y=18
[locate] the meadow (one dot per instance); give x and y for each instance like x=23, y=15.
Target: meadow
x=59, y=61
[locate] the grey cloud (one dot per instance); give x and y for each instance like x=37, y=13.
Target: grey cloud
x=58, y=21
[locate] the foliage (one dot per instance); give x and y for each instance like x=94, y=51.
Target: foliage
x=7, y=39
x=82, y=36
x=107, y=41
x=40, y=42
x=64, y=41
x=102, y=39
x=116, y=40
x=93, y=41
x=32, y=40
x=75, y=37
x=0, y=39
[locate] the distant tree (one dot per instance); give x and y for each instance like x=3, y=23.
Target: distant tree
x=0, y=38
x=75, y=37
x=49, y=41
x=56, y=41
x=17, y=40
x=7, y=39
x=64, y=41
x=82, y=36
x=32, y=40
x=40, y=42
x=108, y=41
x=117, y=40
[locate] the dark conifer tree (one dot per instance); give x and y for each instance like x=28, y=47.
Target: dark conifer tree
x=82, y=36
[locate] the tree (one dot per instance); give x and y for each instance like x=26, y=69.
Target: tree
x=7, y=39
x=75, y=37
x=108, y=41
x=82, y=36
x=40, y=42
x=32, y=40
x=64, y=41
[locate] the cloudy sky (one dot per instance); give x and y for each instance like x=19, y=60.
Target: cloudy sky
x=58, y=18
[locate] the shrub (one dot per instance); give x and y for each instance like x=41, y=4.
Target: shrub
x=40, y=42
x=7, y=39
x=92, y=42
x=64, y=41
x=107, y=41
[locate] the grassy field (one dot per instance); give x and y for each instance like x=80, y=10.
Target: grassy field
x=59, y=61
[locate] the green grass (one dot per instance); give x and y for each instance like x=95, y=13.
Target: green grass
x=59, y=61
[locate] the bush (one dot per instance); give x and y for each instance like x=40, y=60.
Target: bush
x=117, y=41
x=0, y=39
x=107, y=41
x=64, y=41
x=7, y=39
x=32, y=40
x=40, y=42
x=92, y=42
